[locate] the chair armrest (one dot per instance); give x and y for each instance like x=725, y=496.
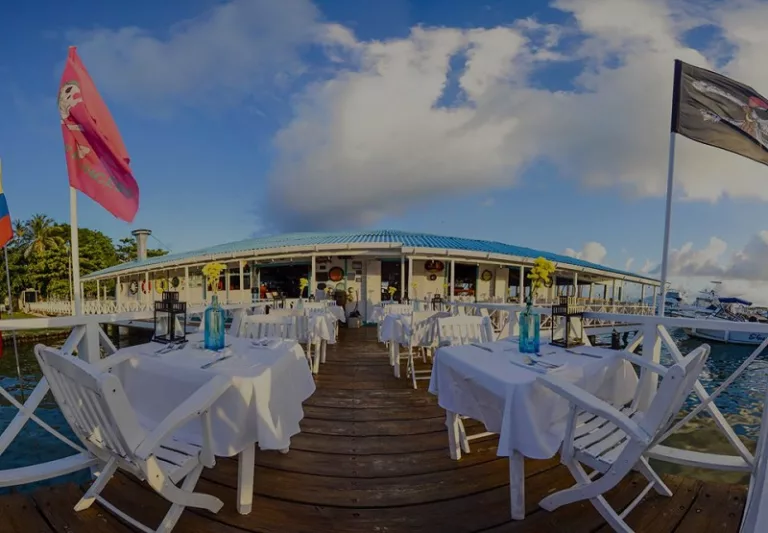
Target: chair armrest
x=594, y=405
x=113, y=360
x=194, y=406
x=643, y=362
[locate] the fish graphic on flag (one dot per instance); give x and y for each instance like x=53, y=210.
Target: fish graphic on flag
x=6, y=228
x=97, y=161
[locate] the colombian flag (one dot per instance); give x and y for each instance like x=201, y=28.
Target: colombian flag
x=6, y=228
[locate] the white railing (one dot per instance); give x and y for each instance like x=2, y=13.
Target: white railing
x=652, y=333
x=110, y=307
x=88, y=341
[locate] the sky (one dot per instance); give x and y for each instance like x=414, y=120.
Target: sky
x=543, y=124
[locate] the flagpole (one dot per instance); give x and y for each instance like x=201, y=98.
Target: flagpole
x=75, y=250
x=667, y=221
x=13, y=332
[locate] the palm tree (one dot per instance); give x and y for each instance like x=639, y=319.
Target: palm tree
x=19, y=229
x=43, y=235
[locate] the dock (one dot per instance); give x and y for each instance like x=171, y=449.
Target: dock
x=373, y=456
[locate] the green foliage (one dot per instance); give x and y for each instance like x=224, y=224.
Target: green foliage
x=127, y=250
x=39, y=257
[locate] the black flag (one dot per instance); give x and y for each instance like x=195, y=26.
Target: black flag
x=712, y=109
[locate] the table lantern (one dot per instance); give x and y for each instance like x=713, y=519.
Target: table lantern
x=570, y=318
x=170, y=319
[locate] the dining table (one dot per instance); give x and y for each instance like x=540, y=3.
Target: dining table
x=495, y=384
x=270, y=379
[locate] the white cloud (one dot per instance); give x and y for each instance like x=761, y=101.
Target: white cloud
x=592, y=251
x=371, y=134
x=628, y=263
x=217, y=58
x=743, y=272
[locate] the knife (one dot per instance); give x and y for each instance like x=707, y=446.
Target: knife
x=209, y=365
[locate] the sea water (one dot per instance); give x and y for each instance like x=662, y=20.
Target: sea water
x=34, y=444
x=741, y=404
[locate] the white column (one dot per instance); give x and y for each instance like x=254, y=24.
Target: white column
x=98, y=291
x=591, y=286
x=186, y=284
x=242, y=282
x=521, y=286
x=453, y=280
x=312, y=290
x=411, y=291
x=576, y=284
x=258, y=279
x=226, y=284
x=642, y=294
x=118, y=296
x=403, y=282
x=655, y=292
x=605, y=291
x=146, y=295
x=613, y=290
x=477, y=283
x=555, y=288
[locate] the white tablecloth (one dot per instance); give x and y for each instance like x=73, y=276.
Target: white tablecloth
x=269, y=385
x=529, y=418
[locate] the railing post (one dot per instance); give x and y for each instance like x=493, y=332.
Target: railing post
x=651, y=350
x=756, y=509
x=89, y=347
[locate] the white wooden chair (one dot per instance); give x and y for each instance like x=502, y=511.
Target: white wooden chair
x=303, y=335
x=613, y=441
x=97, y=409
x=464, y=329
x=271, y=325
x=421, y=334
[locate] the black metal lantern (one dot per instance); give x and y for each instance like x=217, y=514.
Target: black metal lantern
x=573, y=323
x=170, y=319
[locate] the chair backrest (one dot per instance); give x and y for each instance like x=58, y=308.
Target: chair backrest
x=398, y=309
x=313, y=306
x=93, y=402
x=675, y=387
x=424, y=328
x=262, y=326
x=286, y=312
x=464, y=330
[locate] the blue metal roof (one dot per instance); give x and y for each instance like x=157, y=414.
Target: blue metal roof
x=404, y=238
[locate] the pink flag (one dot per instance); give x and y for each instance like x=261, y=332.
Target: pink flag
x=97, y=161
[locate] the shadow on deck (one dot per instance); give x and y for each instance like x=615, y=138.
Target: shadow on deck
x=373, y=456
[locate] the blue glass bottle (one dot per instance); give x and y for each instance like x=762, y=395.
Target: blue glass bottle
x=529, y=331
x=215, y=319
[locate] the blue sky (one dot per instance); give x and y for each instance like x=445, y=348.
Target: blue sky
x=243, y=118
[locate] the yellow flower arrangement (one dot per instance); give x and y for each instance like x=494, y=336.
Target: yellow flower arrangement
x=392, y=290
x=303, y=283
x=212, y=271
x=540, y=276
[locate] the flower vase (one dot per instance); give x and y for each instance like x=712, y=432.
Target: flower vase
x=215, y=320
x=529, y=331
x=300, y=303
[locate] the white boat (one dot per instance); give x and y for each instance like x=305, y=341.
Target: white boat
x=731, y=310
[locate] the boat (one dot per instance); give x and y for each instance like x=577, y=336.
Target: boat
x=732, y=310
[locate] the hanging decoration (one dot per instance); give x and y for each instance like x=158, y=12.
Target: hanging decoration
x=175, y=282
x=146, y=286
x=336, y=274
x=133, y=287
x=434, y=266
x=487, y=275
x=161, y=286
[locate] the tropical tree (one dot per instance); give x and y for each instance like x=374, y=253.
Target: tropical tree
x=42, y=234
x=127, y=250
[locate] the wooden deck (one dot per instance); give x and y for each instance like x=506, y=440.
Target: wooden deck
x=373, y=456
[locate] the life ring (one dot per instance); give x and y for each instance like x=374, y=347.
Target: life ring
x=133, y=287
x=175, y=282
x=161, y=286
x=146, y=286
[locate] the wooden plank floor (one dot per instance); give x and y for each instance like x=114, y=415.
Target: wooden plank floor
x=373, y=456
